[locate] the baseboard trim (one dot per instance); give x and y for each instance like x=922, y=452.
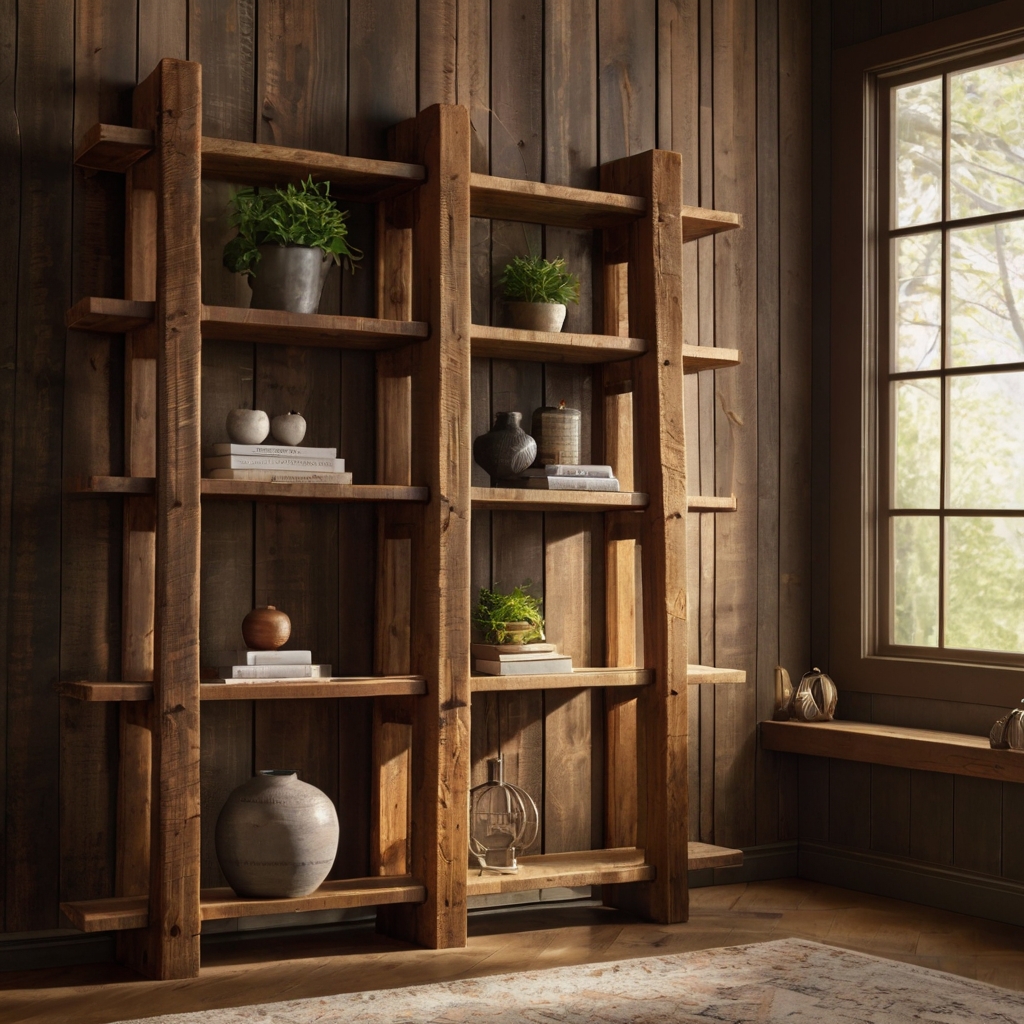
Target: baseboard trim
x=963, y=892
x=29, y=952
x=769, y=860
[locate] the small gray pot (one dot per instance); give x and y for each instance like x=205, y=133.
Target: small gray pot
x=537, y=316
x=289, y=277
x=276, y=836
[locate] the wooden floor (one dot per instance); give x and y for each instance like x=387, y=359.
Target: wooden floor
x=266, y=970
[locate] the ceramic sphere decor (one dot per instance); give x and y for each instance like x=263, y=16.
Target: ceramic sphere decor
x=288, y=428
x=247, y=426
x=276, y=836
x=266, y=629
x=506, y=450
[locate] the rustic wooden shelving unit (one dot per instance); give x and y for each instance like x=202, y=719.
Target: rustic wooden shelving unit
x=423, y=337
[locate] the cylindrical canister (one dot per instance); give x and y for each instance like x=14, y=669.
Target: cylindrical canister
x=557, y=433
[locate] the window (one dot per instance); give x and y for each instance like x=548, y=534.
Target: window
x=951, y=290
x=926, y=362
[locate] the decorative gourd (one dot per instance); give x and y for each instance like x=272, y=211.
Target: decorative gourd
x=783, y=694
x=1008, y=732
x=266, y=629
x=814, y=699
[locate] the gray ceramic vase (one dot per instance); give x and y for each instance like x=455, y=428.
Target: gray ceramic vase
x=506, y=450
x=276, y=836
x=289, y=277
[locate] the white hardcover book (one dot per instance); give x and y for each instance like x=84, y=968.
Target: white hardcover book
x=276, y=462
x=274, y=671
x=227, y=448
x=280, y=476
x=562, y=470
x=503, y=658
x=574, y=483
x=549, y=666
x=261, y=658
x=495, y=652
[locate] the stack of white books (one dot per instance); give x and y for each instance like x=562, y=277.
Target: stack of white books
x=520, y=659
x=572, y=478
x=267, y=666
x=276, y=463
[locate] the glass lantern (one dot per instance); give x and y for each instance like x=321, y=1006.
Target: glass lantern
x=503, y=821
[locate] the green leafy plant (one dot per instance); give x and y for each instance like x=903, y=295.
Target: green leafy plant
x=495, y=611
x=303, y=214
x=535, y=279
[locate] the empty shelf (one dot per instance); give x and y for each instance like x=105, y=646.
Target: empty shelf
x=710, y=503
x=553, y=346
x=704, y=855
x=528, y=499
x=699, y=222
x=540, y=203
x=545, y=871
x=708, y=357
x=564, y=680
x=709, y=674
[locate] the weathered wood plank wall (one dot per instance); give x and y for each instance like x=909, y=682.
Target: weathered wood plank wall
x=554, y=88
x=974, y=824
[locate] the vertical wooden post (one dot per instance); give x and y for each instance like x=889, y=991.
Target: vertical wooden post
x=170, y=101
x=439, y=138
x=134, y=803
x=655, y=313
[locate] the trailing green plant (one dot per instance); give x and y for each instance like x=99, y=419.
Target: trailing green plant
x=494, y=611
x=303, y=214
x=535, y=279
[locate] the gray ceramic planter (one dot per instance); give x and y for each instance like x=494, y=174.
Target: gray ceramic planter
x=537, y=316
x=289, y=277
x=276, y=836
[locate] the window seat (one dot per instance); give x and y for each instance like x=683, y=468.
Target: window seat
x=925, y=749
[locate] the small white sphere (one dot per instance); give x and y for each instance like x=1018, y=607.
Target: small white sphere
x=289, y=428
x=248, y=426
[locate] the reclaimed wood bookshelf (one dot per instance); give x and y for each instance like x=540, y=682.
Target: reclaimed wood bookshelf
x=423, y=337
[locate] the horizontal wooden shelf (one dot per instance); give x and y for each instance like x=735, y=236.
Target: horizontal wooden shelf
x=276, y=327
x=111, y=147
x=272, y=689
x=553, y=346
x=924, y=749
x=528, y=499
x=709, y=357
x=127, y=912
x=253, y=490
x=545, y=871
x=564, y=680
x=709, y=674
x=537, y=202
x=704, y=855
x=377, y=891
x=109, y=316
x=699, y=222
x=710, y=503
x=267, y=326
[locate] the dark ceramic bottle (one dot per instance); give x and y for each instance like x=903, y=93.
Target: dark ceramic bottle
x=506, y=450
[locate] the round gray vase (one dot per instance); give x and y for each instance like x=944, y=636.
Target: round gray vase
x=289, y=277
x=276, y=836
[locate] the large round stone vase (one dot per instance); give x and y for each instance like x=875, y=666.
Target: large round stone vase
x=276, y=836
x=506, y=450
x=289, y=277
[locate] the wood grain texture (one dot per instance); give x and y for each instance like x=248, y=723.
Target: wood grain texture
x=592, y=867
x=530, y=499
x=566, y=680
x=44, y=39
x=512, y=343
x=923, y=749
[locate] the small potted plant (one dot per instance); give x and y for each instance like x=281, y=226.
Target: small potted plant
x=287, y=240
x=537, y=291
x=509, y=618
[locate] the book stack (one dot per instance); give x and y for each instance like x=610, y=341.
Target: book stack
x=276, y=463
x=572, y=478
x=267, y=666
x=520, y=659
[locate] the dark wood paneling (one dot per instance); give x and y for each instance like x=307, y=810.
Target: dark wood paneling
x=977, y=824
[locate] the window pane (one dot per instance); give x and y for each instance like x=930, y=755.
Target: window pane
x=918, y=153
x=986, y=140
x=985, y=580
x=917, y=448
x=986, y=434
x=986, y=302
x=918, y=261
x=915, y=550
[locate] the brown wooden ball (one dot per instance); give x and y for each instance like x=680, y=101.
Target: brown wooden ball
x=266, y=629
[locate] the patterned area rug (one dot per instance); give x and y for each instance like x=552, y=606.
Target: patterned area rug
x=789, y=981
